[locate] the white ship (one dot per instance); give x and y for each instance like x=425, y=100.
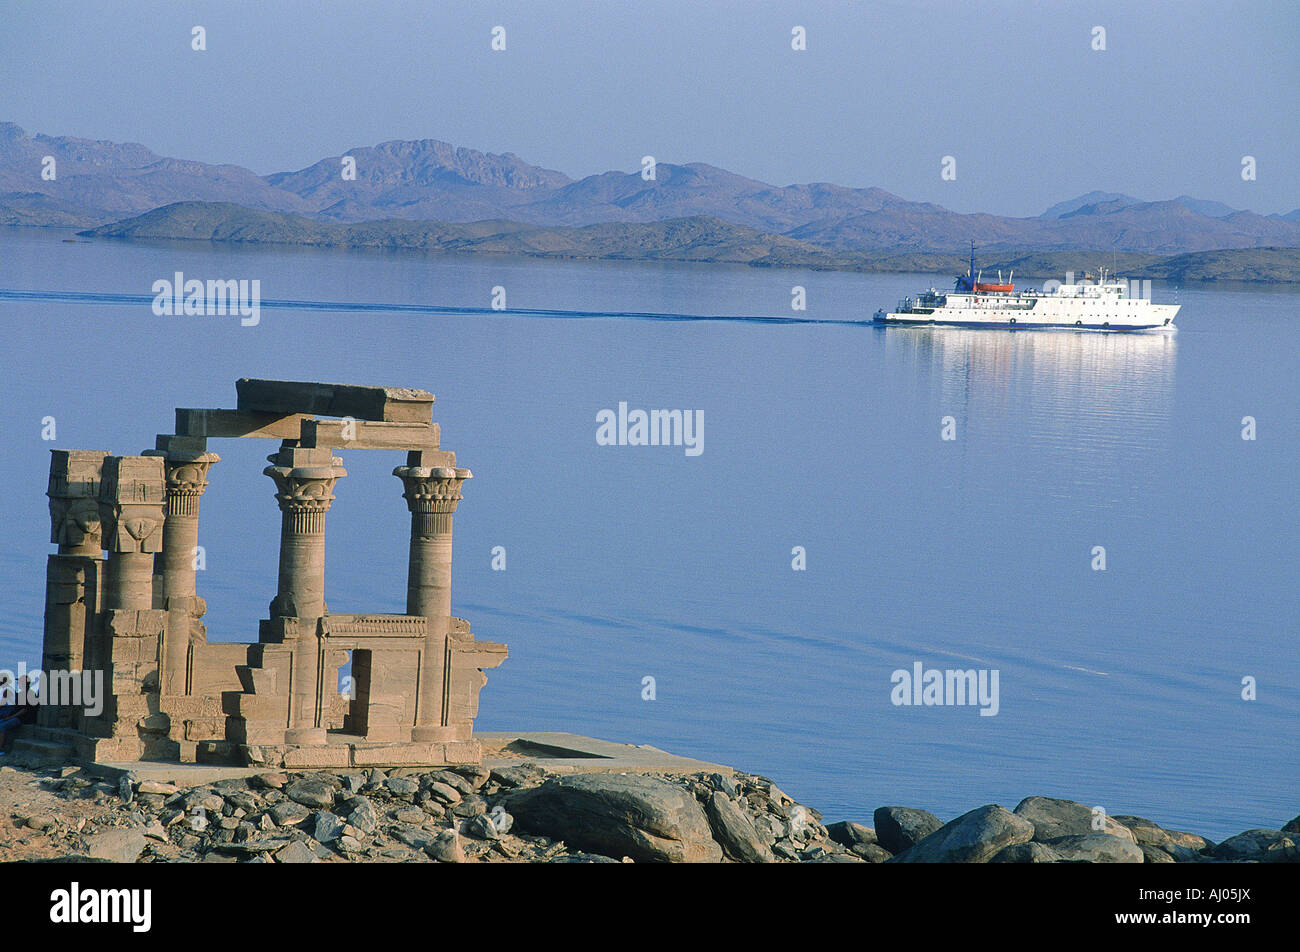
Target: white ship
x=1103, y=305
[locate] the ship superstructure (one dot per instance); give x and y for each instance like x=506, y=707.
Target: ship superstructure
x=1107, y=304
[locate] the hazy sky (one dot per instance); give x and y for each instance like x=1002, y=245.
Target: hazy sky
x=1013, y=91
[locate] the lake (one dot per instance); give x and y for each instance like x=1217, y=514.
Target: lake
x=1120, y=687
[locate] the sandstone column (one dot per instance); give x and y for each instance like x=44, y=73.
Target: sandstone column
x=187, y=463
x=304, y=481
x=72, y=576
x=432, y=494
x=131, y=498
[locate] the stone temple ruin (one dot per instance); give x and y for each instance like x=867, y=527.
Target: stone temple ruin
x=121, y=598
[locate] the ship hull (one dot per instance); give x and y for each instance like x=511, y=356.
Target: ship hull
x=1153, y=317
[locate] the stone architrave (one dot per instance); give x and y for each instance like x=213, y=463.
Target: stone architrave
x=432, y=495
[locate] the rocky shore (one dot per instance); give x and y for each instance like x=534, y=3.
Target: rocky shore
x=525, y=813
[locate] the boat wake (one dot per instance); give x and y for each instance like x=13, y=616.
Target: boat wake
x=146, y=300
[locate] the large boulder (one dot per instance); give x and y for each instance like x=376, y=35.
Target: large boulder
x=116, y=846
x=1030, y=852
x=974, y=837
x=733, y=829
x=1096, y=848
x=850, y=834
x=1054, y=818
x=1147, y=833
x=645, y=818
x=900, y=828
x=1250, y=845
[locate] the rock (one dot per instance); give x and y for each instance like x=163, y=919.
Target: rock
x=413, y=815
x=1154, y=854
x=771, y=828
x=582, y=858
x=413, y=837
x=288, y=813
x=205, y=800
x=472, y=805
x=402, y=786
x=116, y=846
x=518, y=776
x=349, y=844
x=1281, y=850
x=361, y=813
x=872, y=852
x=1292, y=827
x=445, y=848
x=643, y=817
x=724, y=784
x=40, y=822
x=311, y=793
x=454, y=780
x=1030, y=852
x=850, y=834
x=296, y=852
x=734, y=831
x=326, y=827
x=1187, y=841
x=1250, y=845
x=476, y=774
x=126, y=788
x=838, y=858
x=1054, y=818
x=231, y=786
x=270, y=781
x=786, y=851
x=1145, y=832
x=481, y=827
x=899, y=828
x=444, y=793
x=1096, y=848
x=974, y=837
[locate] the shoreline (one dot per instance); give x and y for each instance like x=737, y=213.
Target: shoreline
x=525, y=812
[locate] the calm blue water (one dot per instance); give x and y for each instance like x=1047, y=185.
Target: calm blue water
x=1121, y=688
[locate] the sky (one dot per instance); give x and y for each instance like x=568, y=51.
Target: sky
x=1013, y=92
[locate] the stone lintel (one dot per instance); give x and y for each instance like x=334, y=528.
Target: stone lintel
x=431, y=458
x=384, y=404
x=369, y=435
x=194, y=422
x=167, y=444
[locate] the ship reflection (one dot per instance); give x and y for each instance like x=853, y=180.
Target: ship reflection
x=1097, y=377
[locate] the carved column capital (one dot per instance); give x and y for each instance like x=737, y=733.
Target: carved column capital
x=432, y=488
x=131, y=498
x=73, y=492
x=187, y=478
x=305, y=492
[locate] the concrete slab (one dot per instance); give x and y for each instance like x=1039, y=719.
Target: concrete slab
x=565, y=753
x=557, y=751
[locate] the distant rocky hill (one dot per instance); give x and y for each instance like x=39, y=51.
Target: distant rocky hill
x=699, y=238
x=439, y=185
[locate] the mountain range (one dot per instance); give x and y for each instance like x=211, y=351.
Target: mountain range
x=440, y=185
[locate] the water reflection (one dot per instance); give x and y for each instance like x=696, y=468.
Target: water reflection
x=1102, y=376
